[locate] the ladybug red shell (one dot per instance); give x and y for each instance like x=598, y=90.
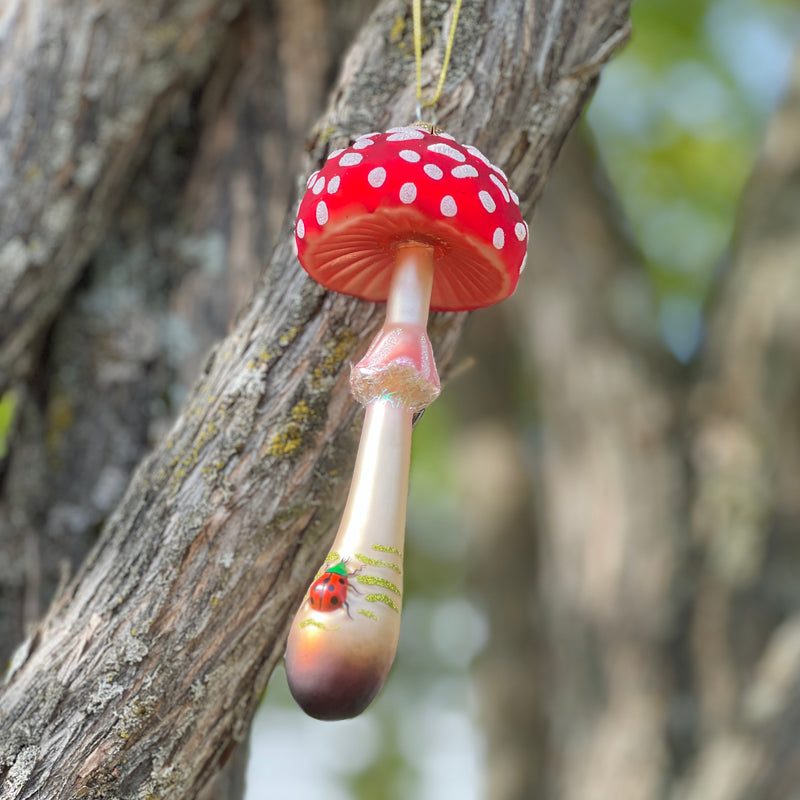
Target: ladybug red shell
x=329, y=591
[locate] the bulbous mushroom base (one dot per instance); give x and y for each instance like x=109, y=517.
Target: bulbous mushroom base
x=336, y=668
x=399, y=366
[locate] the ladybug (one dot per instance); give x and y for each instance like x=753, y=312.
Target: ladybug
x=329, y=591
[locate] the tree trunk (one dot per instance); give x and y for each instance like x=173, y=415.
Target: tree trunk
x=84, y=87
x=744, y=636
x=659, y=521
x=610, y=499
x=146, y=670
x=574, y=557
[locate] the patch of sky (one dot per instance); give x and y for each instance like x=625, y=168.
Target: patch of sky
x=684, y=235
x=453, y=750
x=678, y=119
x=458, y=632
x=755, y=41
x=694, y=97
x=681, y=323
x=622, y=102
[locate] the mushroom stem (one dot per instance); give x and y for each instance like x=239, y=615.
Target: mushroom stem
x=337, y=661
x=412, y=282
x=376, y=505
x=399, y=363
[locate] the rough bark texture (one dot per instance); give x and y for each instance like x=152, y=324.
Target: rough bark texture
x=84, y=85
x=145, y=672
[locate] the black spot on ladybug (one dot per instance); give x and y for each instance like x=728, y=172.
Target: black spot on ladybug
x=331, y=588
x=326, y=579
x=342, y=581
x=334, y=601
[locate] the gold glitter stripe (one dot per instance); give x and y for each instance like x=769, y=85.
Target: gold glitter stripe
x=382, y=598
x=378, y=562
x=383, y=548
x=371, y=580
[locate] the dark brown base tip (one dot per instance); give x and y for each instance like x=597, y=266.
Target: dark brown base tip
x=328, y=690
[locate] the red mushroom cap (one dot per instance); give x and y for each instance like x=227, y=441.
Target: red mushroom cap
x=410, y=185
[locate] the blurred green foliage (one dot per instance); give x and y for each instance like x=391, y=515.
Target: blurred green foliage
x=678, y=119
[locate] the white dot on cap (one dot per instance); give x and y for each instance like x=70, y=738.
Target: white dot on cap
x=524, y=262
x=350, y=159
x=487, y=201
x=376, y=177
x=464, y=171
x=322, y=212
x=362, y=142
x=520, y=231
x=335, y=153
x=319, y=185
x=412, y=156
x=501, y=186
x=311, y=178
x=446, y=150
x=448, y=206
x=300, y=229
x=473, y=151
x=499, y=172
x=405, y=134
x=408, y=193
x=514, y=196
x=333, y=184
x=498, y=238
x=432, y=171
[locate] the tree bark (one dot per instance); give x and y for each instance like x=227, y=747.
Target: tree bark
x=84, y=87
x=145, y=672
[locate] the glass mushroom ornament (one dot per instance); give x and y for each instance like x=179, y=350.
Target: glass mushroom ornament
x=413, y=219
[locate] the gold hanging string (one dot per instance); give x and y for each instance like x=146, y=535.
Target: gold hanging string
x=417, y=15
